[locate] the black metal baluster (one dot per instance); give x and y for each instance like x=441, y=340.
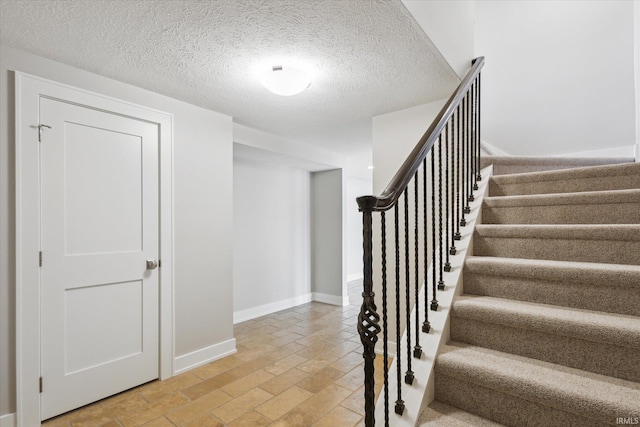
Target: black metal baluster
x=472, y=149
x=464, y=174
x=457, y=235
x=440, y=266
x=478, y=108
x=368, y=319
x=426, y=326
x=399, y=409
x=467, y=143
x=476, y=147
x=385, y=330
x=470, y=153
x=408, y=376
x=434, y=301
x=417, y=349
x=447, y=264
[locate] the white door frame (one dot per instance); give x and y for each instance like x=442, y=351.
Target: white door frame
x=28, y=89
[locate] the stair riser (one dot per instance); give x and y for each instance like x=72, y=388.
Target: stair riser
x=625, y=213
x=612, y=298
x=596, y=357
x=601, y=251
x=601, y=183
x=505, y=408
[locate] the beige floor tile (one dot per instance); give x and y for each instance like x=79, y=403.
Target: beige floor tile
x=283, y=381
x=320, y=379
x=153, y=410
x=339, y=416
x=355, y=402
x=206, y=420
x=157, y=389
x=250, y=367
x=103, y=412
x=158, y=422
x=244, y=384
x=283, y=403
x=353, y=380
x=207, y=386
x=216, y=368
x=112, y=423
x=250, y=419
x=348, y=362
x=284, y=364
x=318, y=405
x=193, y=410
x=241, y=405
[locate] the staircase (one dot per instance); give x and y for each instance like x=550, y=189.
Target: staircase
x=547, y=332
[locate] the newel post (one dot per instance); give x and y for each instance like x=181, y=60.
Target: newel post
x=368, y=319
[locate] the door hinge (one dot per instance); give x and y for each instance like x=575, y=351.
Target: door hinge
x=40, y=258
x=40, y=384
x=40, y=131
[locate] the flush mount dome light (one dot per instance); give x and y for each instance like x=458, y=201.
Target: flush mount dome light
x=285, y=80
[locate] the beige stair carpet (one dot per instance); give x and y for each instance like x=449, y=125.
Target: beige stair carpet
x=547, y=332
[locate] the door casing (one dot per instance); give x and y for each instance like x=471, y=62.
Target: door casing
x=28, y=90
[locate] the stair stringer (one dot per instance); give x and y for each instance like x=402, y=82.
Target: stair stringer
x=421, y=393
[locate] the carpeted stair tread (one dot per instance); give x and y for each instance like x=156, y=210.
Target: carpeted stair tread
x=571, y=271
x=583, y=394
x=570, y=322
x=595, y=178
x=442, y=415
x=615, y=244
x=512, y=164
x=613, y=288
x=604, y=343
x=589, y=207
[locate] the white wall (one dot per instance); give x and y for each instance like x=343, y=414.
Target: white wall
x=449, y=25
x=395, y=135
x=328, y=273
x=271, y=266
x=559, y=76
x=636, y=54
x=202, y=212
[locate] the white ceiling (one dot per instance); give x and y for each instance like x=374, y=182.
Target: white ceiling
x=369, y=56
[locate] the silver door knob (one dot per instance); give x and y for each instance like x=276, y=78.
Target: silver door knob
x=152, y=264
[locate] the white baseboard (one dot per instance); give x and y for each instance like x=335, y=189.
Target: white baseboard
x=8, y=420
x=263, y=310
x=340, y=301
x=205, y=355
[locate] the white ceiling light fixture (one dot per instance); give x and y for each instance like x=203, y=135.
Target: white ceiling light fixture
x=285, y=80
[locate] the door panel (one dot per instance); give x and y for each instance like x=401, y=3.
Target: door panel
x=99, y=198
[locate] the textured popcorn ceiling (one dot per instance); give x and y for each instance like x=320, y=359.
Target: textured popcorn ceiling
x=369, y=56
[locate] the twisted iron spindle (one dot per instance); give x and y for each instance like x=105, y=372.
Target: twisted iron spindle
x=457, y=235
x=434, y=301
x=408, y=376
x=447, y=264
x=470, y=197
x=385, y=331
x=440, y=265
x=467, y=144
x=478, y=121
x=399, y=409
x=473, y=185
x=452, y=249
x=417, y=349
x=426, y=326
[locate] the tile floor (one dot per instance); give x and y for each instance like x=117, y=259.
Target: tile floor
x=297, y=367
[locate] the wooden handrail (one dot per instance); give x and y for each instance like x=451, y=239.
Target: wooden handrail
x=401, y=179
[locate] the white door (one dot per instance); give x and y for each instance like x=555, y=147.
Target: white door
x=100, y=225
